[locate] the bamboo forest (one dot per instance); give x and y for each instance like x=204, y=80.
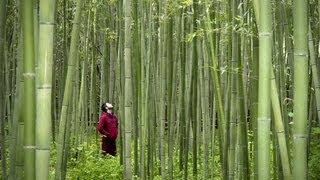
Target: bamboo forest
x=195, y=89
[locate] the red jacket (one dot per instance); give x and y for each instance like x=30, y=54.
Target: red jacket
x=108, y=125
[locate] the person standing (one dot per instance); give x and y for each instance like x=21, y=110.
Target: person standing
x=108, y=128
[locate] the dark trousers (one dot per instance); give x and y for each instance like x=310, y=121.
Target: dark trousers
x=108, y=146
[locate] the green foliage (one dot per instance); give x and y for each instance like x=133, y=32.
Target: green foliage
x=89, y=163
x=214, y=170
x=314, y=155
x=86, y=162
x=290, y=114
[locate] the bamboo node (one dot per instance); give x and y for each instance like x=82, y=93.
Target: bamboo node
x=301, y=54
x=46, y=23
x=264, y=119
x=300, y=136
x=265, y=34
x=29, y=147
x=44, y=87
x=42, y=149
x=29, y=75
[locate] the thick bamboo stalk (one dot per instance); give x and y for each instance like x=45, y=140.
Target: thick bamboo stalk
x=300, y=89
x=204, y=83
x=136, y=78
x=36, y=36
x=182, y=94
x=104, y=70
x=162, y=83
x=112, y=57
x=86, y=84
x=265, y=56
x=128, y=97
x=17, y=111
x=44, y=88
x=188, y=113
x=243, y=165
x=3, y=6
x=152, y=100
x=279, y=127
x=148, y=83
x=29, y=90
x=194, y=93
x=144, y=88
x=80, y=107
x=254, y=88
x=118, y=81
x=20, y=131
x=233, y=99
x=93, y=76
x=171, y=87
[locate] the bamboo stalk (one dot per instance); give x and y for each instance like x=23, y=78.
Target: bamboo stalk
x=3, y=6
x=128, y=97
x=279, y=127
x=29, y=89
x=233, y=99
x=314, y=67
x=44, y=88
x=265, y=55
x=300, y=89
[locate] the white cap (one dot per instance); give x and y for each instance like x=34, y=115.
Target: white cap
x=108, y=105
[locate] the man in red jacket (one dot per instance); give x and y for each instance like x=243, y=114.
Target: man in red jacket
x=108, y=128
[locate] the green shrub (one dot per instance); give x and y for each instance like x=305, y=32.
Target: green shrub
x=314, y=156
x=91, y=164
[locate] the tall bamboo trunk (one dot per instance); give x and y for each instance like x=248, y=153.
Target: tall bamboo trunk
x=17, y=111
x=144, y=88
x=243, y=169
x=265, y=56
x=20, y=129
x=255, y=84
x=3, y=7
x=300, y=108
x=233, y=101
x=128, y=97
x=279, y=129
x=29, y=90
x=44, y=88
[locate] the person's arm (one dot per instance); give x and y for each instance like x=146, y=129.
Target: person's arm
x=101, y=125
x=117, y=121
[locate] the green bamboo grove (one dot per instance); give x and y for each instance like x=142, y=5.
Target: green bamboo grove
x=226, y=89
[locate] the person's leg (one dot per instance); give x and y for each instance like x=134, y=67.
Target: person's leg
x=111, y=147
x=104, y=145
x=114, y=148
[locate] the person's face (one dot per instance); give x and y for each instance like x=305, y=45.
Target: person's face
x=109, y=109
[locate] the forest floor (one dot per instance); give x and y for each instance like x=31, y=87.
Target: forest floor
x=87, y=163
